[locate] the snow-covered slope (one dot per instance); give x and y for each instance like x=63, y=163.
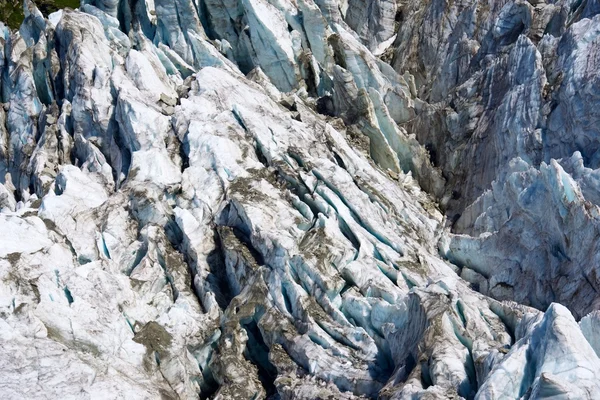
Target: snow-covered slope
x=246, y=199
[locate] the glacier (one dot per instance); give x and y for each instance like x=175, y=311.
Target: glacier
x=309, y=199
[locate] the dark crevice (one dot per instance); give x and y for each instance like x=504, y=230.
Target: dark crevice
x=348, y=234
x=174, y=233
x=105, y=248
x=176, y=238
x=68, y=295
x=384, y=367
x=338, y=52
x=299, y=188
x=257, y=352
x=529, y=372
x=426, y=380
x=286, y=300
x=317, y=340
x=509, y=323
x=347, y=286
x=399, y=17
x=168, y=275
x=310, y=79
x=260, y=155
x=339, y=160
x=460, y=308
x=183, y=153
x=43, y=84
x=296, y=157
x=139, y=255
x=120, y=142
x=433, y=155
x=377, y=255
x=467, y=389
x=239, y=119
x=217, y=278
x=388, y=274
x=208, y=384
x=206, y=22
x=325, y=106
x=124, y=15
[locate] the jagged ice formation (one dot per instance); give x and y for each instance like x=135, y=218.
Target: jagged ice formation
x=243, y=199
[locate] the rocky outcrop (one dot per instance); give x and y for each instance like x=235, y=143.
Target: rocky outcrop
x=239, y=199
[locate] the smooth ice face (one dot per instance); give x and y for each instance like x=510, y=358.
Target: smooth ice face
x=238, y=199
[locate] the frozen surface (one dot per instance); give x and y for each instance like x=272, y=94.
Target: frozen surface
x=243, y=199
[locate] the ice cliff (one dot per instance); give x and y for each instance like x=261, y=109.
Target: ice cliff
x=301, y=199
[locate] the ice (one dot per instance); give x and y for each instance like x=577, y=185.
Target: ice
x=276, y=199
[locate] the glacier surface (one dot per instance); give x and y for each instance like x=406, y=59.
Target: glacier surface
x=310, y=199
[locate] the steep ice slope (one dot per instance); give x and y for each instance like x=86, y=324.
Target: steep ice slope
x=511, y=119
x=215, y=199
